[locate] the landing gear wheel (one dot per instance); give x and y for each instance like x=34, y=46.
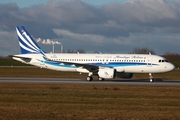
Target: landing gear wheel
x=151, y=80
x=89, y=78
x=101, y=79
x=151, y=77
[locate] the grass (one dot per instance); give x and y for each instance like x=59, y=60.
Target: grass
x=86, y=102
x=91, y=102
x=34, y=72
x=11, y=62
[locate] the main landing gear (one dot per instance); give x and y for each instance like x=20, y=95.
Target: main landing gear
x=90, y=78
x=151, y=77
x=101, y=79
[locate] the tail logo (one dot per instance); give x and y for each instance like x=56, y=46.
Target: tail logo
x=26, y=42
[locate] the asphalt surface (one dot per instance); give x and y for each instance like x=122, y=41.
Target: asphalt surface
x=142, y=82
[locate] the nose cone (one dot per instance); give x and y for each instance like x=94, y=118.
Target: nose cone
x=170, y=67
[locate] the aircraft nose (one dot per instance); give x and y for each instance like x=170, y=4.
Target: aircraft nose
x=170, y=67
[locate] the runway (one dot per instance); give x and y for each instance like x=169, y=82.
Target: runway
x=142, y=82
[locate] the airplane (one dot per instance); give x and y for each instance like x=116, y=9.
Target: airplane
x=105, y=66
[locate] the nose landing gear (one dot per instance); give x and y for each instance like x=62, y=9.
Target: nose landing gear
x=151, y=77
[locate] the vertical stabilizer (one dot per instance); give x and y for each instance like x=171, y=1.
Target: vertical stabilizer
x=26, y=42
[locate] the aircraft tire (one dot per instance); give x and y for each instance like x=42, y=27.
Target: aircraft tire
x=151, y=80
x=89, y=78
x=101, y=79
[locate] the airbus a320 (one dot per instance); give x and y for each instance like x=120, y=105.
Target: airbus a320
x=105, y=66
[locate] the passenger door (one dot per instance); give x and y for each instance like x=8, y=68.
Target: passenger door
x=149, y=61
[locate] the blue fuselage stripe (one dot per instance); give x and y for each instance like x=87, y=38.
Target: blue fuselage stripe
x=110, y=64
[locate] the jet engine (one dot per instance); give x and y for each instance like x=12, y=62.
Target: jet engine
x=107, y=73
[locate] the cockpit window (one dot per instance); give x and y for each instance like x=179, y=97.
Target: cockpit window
x=163, y=60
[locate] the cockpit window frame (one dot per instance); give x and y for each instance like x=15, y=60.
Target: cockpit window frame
x=163, y=60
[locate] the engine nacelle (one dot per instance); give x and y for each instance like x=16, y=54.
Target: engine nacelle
x=107, y=73
x=124, y=75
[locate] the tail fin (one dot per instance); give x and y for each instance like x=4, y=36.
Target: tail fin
x=26, y=42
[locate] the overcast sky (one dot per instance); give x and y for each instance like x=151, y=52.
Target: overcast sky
x=109, y=26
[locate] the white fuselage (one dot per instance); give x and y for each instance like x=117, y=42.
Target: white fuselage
x=127, y=63
x=105, y=66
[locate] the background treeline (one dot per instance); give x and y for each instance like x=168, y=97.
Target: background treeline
x=171, y=57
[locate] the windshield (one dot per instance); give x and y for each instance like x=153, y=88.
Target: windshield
x=163, y=60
